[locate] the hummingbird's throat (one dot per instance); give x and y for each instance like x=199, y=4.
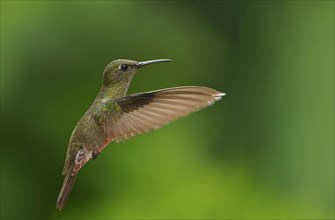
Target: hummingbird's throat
x=114, y=92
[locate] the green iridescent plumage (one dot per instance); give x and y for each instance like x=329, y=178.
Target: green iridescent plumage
x=113, y=116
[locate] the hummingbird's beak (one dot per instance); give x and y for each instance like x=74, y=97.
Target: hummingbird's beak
x=143, y=63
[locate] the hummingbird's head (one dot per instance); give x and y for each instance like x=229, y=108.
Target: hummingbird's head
x=121, y=72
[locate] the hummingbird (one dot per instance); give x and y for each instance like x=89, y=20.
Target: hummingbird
x=114, y=116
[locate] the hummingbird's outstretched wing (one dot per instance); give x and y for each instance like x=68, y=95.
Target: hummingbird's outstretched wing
x=138, y=113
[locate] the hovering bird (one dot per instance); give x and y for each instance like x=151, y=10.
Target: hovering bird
x=113, y=116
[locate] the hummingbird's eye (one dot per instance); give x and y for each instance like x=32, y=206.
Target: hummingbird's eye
x=124, y=67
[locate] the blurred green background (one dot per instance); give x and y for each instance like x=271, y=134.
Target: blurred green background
x=266, y=150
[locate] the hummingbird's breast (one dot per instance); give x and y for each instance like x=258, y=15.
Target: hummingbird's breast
x=87, y=133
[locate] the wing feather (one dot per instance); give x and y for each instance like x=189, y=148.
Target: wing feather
x=142, y=112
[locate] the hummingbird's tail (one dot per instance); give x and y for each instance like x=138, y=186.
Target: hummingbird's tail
x=66, y=189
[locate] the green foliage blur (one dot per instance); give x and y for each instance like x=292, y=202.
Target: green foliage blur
x=266, y=150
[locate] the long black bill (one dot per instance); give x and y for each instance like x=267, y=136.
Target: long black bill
x=143, y=63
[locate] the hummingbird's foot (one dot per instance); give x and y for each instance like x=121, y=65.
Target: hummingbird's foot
x=95, y=155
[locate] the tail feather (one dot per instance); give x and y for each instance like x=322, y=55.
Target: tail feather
x=66, y=189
